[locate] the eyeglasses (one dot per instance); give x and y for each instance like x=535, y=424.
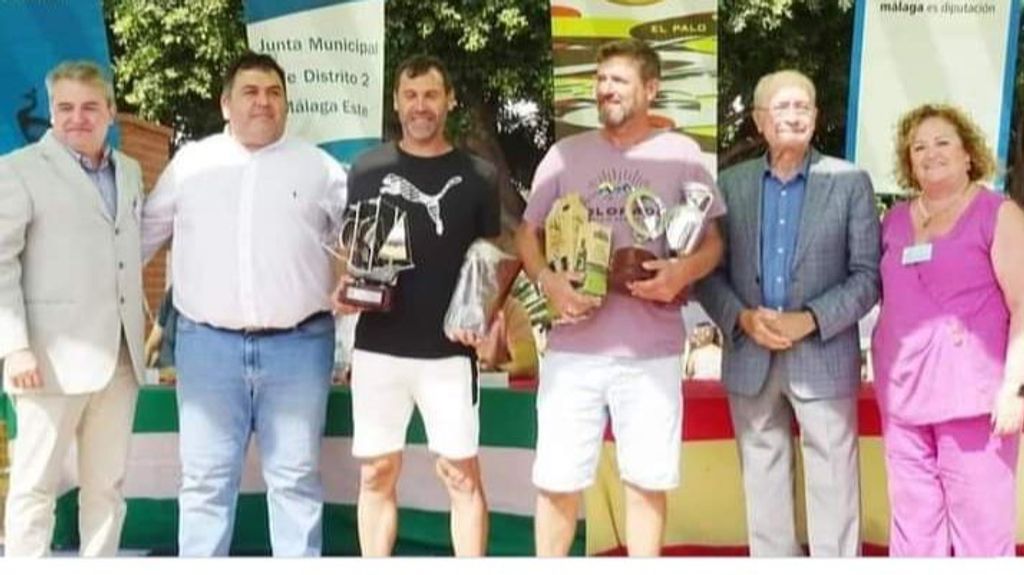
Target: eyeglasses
x=801, y=109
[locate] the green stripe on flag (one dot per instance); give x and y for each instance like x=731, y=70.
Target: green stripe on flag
x=152, y=525
x=509, y=415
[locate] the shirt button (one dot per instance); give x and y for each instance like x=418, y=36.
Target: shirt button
x=122, y=300
x=782, y=222
x=117, y=231
x=783, y=193
x=120, y=265
x=778, y=279
x=781, y=250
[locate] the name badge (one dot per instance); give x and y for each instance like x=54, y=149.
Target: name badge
x=917, y=254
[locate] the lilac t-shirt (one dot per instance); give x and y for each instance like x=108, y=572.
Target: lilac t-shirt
x=603, y=176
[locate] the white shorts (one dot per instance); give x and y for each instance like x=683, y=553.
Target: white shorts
x=386, y=387
x=576, y=394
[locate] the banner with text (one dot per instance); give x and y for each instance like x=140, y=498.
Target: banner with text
x=332, y=52
x=907, y=53
x=35, y=35
x=685, y=34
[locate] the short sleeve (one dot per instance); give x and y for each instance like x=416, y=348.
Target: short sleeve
x=545, y=189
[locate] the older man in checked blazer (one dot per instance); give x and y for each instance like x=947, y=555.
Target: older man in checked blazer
x=801, y=268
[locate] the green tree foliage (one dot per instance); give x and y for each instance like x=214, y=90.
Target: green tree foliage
x=499, y=54
x=169, y=57
x=815, y=37
x=1015, y=159
x=761, y=36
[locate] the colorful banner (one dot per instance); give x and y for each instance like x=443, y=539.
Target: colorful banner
x=507, y=437
x=34, y=36
x=907, y=53
x=332, y=52
x=685, y=34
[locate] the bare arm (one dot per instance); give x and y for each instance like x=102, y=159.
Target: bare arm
x=1009, y=269
x=158, y=215
x=567, y=302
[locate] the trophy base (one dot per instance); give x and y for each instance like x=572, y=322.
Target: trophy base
x=627, y=266
x=367, y=297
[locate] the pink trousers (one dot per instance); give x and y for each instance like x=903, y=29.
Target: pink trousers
x=952, y=488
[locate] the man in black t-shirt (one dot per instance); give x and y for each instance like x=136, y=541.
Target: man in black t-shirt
x=401, y=357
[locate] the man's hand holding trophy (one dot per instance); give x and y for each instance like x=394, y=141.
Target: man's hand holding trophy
x=577, y=251
x=638, y=272
x=373, y=242
x=474, y=316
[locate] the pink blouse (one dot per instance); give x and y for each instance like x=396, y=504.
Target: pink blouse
x=939, y=347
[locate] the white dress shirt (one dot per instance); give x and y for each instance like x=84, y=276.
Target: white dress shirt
x=248, y=229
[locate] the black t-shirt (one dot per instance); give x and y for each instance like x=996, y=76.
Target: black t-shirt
x=456, y=202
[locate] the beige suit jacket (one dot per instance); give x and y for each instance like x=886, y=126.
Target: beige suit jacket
x=70, y=276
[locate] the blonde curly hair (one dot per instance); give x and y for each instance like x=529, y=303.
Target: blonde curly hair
x=982, y=162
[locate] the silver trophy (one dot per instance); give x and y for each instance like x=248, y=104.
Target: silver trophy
x=684, y=223
x=645, y=214
x=374, y=237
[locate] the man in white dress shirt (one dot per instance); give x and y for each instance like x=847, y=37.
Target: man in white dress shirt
x=255, y=339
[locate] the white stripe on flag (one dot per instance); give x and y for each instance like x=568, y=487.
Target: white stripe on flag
x=154, y=473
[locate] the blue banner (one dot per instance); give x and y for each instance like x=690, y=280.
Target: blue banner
x=34, y=36
x=332, y=52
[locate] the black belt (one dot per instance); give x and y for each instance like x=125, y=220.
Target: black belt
x=264, y=331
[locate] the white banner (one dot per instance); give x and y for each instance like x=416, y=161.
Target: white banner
x=333, y=56
x=906, y=53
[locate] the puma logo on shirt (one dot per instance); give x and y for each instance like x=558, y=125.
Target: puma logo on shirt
x=395, y=185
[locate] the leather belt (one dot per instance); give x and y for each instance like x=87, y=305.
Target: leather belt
x=265, y=331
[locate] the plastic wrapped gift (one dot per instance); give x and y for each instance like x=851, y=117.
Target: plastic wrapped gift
x=484, y=283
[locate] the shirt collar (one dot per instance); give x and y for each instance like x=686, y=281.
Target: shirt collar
x=275, y=144
x=805, y=168
x=86, y=163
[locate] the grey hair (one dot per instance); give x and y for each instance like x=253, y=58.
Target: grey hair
x=84, y=71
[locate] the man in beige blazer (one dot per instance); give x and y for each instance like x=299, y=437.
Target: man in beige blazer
x=71, y=314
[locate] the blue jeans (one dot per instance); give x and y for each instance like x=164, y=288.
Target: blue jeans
x=231, y=385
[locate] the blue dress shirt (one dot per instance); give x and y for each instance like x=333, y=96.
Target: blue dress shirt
x=781, y=203
x=103, y=177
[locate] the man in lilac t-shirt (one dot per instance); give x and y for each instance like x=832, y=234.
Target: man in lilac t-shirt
x=621, y=355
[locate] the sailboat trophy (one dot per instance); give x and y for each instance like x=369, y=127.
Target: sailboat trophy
x=375, y=236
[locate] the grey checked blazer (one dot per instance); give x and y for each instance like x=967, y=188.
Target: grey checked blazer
x=834, y=275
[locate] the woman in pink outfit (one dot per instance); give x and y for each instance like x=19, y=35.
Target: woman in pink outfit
x=949, y=344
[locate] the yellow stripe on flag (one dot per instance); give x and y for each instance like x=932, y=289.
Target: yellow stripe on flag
x=707, y=509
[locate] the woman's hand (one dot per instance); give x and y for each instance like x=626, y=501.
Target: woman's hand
x=1008, y=411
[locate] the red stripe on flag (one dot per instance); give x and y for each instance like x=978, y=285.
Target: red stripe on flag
x=706, y=410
